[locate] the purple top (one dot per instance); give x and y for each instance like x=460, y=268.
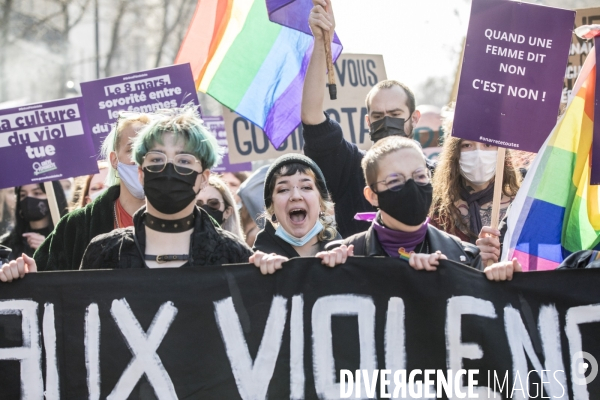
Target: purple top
x=391, y=240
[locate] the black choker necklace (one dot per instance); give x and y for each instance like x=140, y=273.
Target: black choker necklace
x=169, y=225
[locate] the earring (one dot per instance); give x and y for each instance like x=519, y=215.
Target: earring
x=273, y=218
x=322, y=214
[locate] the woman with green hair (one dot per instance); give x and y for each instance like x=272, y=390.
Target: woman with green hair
x=174, y=154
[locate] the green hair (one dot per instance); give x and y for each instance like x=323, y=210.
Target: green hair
x=186, y=124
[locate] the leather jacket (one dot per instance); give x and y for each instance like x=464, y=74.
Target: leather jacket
x=367, y=244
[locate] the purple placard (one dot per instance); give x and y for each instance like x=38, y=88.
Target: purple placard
x=45, y=142
x=143, y=91
x=595, y=167
x=512, y=73
x=217, y=127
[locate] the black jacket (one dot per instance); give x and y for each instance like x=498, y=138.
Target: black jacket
x=340, y=162
x=267, y=242
x=367, y=244
x=209, y=245
x=581, y=259
x=63, y=249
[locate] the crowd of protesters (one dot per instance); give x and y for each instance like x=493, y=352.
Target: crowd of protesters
x=155, y=203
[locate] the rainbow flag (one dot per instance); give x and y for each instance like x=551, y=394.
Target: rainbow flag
x=250, y=64
x=556, y=210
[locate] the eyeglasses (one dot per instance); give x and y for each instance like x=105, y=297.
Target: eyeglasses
x=184, y=164
x=215, y=204
x=395, y=182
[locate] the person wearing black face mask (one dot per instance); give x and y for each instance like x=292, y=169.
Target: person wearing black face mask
x=174, y=154
x=32, y=218
x=218, y=201
x=391, y=110
x=399, y=185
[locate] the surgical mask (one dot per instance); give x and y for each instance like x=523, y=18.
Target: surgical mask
x=33, y=209
x=68, y=194
x=387, y=126
x=478, y=166
x=129, y=175
x=409, y=205
x=98, y=193
x=168, y=191
x=299, y=242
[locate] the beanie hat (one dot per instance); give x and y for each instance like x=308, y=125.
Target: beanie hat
x=293, y=158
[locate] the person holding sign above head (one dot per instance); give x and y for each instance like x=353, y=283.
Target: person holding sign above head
x=464, y=190
x=391, y=111
x=64, y=248
x=174, y=154
x=32, y=218
x=296, y=203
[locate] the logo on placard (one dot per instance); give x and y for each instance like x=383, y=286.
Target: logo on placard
x=43, y=167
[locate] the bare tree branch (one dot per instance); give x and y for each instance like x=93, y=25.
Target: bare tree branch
x=114, y=41
x=167, y=30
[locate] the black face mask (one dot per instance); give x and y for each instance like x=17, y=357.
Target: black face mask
x=216, y=214
x=168, y=191
x=387, y=126
x=410, y=205
x=33, y=209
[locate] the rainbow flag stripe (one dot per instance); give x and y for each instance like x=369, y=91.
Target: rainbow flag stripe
x=556, y=210
x=248, y=63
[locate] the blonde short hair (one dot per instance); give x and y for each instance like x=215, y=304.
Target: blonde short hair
x=383, y=147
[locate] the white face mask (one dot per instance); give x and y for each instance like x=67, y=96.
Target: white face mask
x=68, y=194
x=478, y=166
x=129, y=176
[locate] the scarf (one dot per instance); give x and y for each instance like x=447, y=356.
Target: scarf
x=392, y=240
x=474, y=201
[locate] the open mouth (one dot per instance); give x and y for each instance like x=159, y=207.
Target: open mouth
x=297, y=215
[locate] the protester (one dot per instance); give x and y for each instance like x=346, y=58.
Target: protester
x=251, y=194
x=64, y=248
x=391, y=111
x=217, y=200
x=296, y=200
x=233, y=181
x=68, y=186
x=174, y=155
x=33, y=222
x=428, y=131
x=464, y=190
x=7, y=210
x=399, y=184
x=92, y=186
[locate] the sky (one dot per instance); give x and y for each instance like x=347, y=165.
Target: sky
x=418, y=38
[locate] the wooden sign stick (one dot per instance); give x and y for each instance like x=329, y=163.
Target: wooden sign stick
x=497, y=191
x=329, y=59
x=54, y=212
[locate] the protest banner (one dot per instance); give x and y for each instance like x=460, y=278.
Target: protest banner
x=45, y=142
x=511, y=78
x=231, y=333
x=139, y=92
x=580, y=48
x=512, y=73
x=217, y=127
x=355, y=75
